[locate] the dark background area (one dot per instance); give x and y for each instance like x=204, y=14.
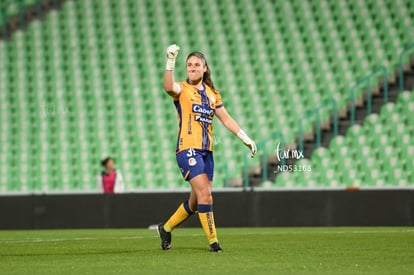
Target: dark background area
x=232, y=209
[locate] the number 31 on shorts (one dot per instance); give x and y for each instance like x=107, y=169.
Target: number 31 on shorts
x=191, y=152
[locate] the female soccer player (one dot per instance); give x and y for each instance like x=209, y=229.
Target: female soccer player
x=196, y=101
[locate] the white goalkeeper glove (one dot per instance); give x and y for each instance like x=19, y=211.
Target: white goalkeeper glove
x=172, y=53
x=248, y=142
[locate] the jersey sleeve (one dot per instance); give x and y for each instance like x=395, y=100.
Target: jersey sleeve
x=219, y=103
x=178, y=86
x=180, y=89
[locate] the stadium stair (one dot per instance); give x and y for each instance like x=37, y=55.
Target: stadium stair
x=18, y=14
x=344, y=123
x=361, y=111
x=374, y=153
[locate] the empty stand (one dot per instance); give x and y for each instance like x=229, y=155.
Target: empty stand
x=86, y=81
x=377, y=153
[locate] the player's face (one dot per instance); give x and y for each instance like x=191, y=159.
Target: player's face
x=195, y=69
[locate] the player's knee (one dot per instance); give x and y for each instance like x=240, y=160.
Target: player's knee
x=209, y=199
x=205, y=197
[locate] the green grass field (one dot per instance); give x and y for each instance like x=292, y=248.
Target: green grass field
x=246, y=251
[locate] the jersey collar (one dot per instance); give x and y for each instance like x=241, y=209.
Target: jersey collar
x=204, y=86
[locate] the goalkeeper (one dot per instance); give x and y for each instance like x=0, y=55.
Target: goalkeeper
x=196, y=101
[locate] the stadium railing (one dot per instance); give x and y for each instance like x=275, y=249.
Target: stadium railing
x=330, y=102
x=261, y=146
x=224, y=170
x=8, y=10
x=404, y=53
x=308, y=115
x=275, y=136
x=367, y=80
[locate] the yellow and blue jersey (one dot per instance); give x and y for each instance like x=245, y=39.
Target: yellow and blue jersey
x=195, y=111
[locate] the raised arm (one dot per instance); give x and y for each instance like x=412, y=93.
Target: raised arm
x=172, y=88
x=233, y=127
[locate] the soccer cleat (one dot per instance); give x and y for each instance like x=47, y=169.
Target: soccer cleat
x=215, y=247
x=165, y=237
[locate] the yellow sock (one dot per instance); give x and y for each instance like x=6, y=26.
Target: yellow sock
x=180, y=215
x=206, y=216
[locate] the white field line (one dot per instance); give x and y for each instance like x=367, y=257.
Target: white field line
x=39, y=240
x=325, y=232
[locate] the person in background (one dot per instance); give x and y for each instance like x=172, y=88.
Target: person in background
x=110, y=179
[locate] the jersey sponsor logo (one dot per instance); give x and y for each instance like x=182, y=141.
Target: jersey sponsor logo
x=189, y=125
x=201, y=110
x=192, y=161
x=203, y=119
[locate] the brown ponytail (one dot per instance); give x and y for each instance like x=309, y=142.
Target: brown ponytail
x=207, y=74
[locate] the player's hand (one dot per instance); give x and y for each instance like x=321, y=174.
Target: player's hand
x=172, y=53
x=248, y=142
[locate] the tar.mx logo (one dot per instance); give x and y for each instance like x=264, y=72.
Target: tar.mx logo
x=286, y=160
x=288, y=153
x=52, y=109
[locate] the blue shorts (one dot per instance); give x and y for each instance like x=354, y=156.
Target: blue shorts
x=193, y=162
